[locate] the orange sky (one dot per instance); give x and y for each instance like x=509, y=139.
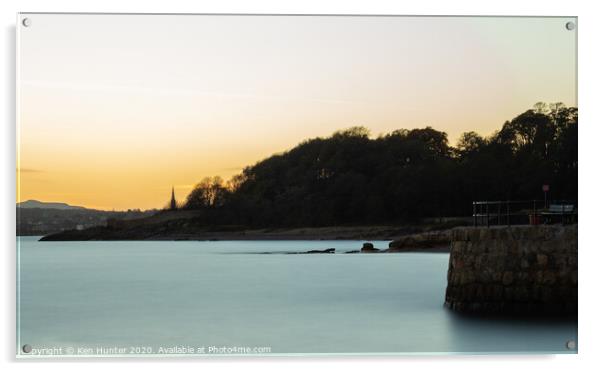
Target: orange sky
x=114, y=110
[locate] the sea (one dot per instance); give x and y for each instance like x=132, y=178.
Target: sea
x=205, y=298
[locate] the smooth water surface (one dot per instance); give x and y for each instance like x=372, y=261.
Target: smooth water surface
x=153, y=294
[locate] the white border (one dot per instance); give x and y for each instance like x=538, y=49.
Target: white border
x=589, y=178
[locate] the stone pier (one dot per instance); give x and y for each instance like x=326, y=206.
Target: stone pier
x=513, y=270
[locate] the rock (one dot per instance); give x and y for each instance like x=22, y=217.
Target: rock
x=368, y=248
x=549, y=277
x=426, y=240
x=327, y=251
x=507, y=278
x=352, y=252
x=542, y=259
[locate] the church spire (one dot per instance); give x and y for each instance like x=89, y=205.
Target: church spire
x=173, y=204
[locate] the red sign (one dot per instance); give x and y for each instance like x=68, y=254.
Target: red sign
x=545, y=187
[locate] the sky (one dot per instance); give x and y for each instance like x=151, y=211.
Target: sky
x=114, y=110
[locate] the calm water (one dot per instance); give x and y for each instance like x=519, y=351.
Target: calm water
x=214, y=294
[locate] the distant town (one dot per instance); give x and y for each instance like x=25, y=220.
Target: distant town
x=36, y=218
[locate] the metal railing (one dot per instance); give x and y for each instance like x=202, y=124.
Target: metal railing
x=487, y=213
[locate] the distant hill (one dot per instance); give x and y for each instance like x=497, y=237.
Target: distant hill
x=37, y=218
x=35, y=204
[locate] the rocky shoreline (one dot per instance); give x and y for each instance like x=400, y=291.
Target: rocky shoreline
x=427, y=235
x=406, y=235
x=430, y=241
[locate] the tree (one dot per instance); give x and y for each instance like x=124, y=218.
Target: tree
x=208, y=193
x=470, y=143
x=354, y=131
x=408, y=174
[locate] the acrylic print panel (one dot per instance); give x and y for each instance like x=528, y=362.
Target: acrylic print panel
x=199, y=185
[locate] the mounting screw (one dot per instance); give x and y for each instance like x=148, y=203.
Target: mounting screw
x=26, y=22
x=571, y=344
x=570, y=26
x=26, y=348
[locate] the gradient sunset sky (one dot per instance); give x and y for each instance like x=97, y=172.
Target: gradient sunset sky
x=115, y=109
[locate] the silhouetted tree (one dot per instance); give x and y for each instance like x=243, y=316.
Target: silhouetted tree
x=349, y=178
x=209, y=193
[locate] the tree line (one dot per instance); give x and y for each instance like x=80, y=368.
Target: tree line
x=350, y=178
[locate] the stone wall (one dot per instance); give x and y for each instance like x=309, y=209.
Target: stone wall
x=520, y=269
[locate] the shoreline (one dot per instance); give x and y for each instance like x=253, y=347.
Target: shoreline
x=155, y=232
x=284, y=238
x=399, y=239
